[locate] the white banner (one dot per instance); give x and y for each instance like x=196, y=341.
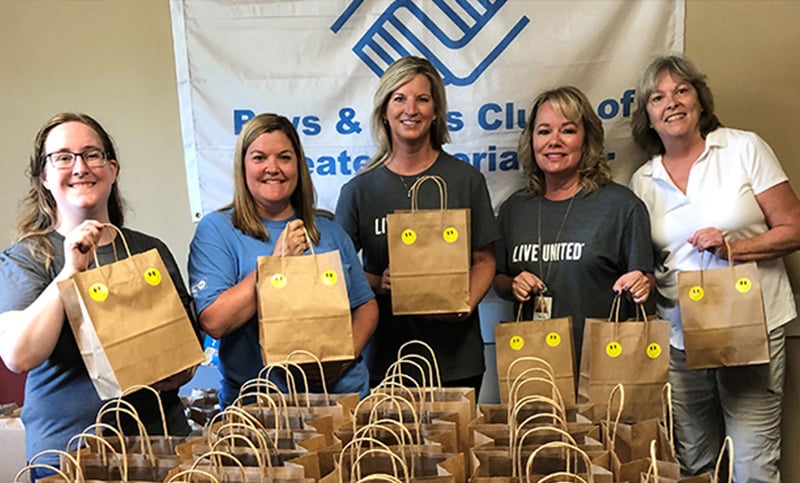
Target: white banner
x=318, y=63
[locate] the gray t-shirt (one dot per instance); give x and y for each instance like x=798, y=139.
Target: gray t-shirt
x=363, y=204
x=605, y=235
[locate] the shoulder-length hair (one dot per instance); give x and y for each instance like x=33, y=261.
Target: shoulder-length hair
x=572, y=104
x=397, y=74
x=681, y=68
x=245, y=215
x=39, y=213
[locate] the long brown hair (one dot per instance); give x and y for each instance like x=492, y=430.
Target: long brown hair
x=38, y=214
x=303, y=200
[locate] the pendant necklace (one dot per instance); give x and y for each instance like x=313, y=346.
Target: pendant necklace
x=543, y=309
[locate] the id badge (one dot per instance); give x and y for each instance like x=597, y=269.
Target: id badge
x=543, y=308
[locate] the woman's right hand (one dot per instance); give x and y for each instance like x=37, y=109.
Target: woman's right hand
x=292, y=241
x=524, y=285
x=78, y=246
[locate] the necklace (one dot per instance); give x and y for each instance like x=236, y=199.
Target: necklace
x=546, y=275
x=406, y=186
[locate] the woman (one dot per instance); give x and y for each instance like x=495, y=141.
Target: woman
x=273, y=206
x=73, y=175
x=410, y=127
x=705, y=185
x=571, y=236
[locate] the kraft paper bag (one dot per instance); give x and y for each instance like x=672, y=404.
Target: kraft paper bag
x=632, y=353
x=129, y=323
x=429, y=256
x=303, y=306
x=723, y=317
x=549, y=340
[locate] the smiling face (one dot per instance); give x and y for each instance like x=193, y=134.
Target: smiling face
x=673, y=108
x=411, y=111
x=80, y=192
x=271, y=174
x=557, y=142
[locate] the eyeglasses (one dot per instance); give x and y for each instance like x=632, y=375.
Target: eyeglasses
x=94, y=158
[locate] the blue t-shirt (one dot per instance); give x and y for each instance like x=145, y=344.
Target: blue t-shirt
x=221, y=256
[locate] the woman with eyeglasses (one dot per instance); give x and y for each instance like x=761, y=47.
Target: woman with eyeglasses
x=73, y=191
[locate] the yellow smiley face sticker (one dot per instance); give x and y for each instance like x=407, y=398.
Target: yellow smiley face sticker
x=653, y=350
x=278, y=280
x=450, y=234
x=553, y=339
x=516, y=343
x=408, y=236
x=98, y=292
x=743, y=285
x=328, y=277
x=152, y=276
x=613, y=349
x=696, y=293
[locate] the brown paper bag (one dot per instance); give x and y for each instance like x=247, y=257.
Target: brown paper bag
x=429, y=256
x=722, y=312
x=549, y=340
x=129, y=323
x=303, y=305
x=634, y=354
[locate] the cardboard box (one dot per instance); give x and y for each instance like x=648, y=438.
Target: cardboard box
x=12, y=442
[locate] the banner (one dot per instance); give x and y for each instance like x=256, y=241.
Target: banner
x=318, y=62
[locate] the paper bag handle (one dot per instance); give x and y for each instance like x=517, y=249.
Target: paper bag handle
x=179, y=477
x=355, y=471
x=562, y=474
x=308, y=241
x=413, y=192
x=34, y=466
x=215, y=461
x=233, y=437
x=156, y=395
x=726, y=443
x=612, y=429
x=432, y=359
x=67, y=459
x=313, y=356
x=666, y=403
x=113, y=245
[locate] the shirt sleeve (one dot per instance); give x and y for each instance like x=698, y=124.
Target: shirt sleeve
x=21, y=278
x=637, y=244
x=484, y=225
x=212, y=264
x=347, y=213
x=358, y=288
x=500, y=249
x=761, y=164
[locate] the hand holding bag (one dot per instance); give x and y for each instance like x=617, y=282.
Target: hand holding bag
x=429, y=256
x=129, y=322
x=303, y=305
x=722, y=313
x=549, y=340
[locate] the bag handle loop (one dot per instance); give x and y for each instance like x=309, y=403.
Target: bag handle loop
x=413, y=192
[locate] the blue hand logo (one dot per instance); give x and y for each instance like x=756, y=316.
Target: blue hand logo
x=398, y=31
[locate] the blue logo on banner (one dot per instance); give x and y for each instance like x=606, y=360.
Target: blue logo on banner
x=389, y=38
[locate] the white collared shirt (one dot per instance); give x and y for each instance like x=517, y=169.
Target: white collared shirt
x=720, y=192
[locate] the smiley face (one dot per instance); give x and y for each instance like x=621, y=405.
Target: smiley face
x=613, y=349
x=152, y=276
x=450, y=234
x=696, y=293
x=553, y=339
x=743, y=285
x=328, y=277
x=516, y=343
x=278, y=280
x=653, y=350
x=408, y=236
x=98, y=292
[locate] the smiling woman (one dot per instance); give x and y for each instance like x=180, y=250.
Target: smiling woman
x=721, y=191
x=273, y=213
x=73, y=192
x=554, y=245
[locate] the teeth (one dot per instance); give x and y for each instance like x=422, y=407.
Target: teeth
x=675, y=116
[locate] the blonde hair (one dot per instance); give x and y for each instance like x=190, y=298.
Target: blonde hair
x=572, y=104
x=397, y=74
